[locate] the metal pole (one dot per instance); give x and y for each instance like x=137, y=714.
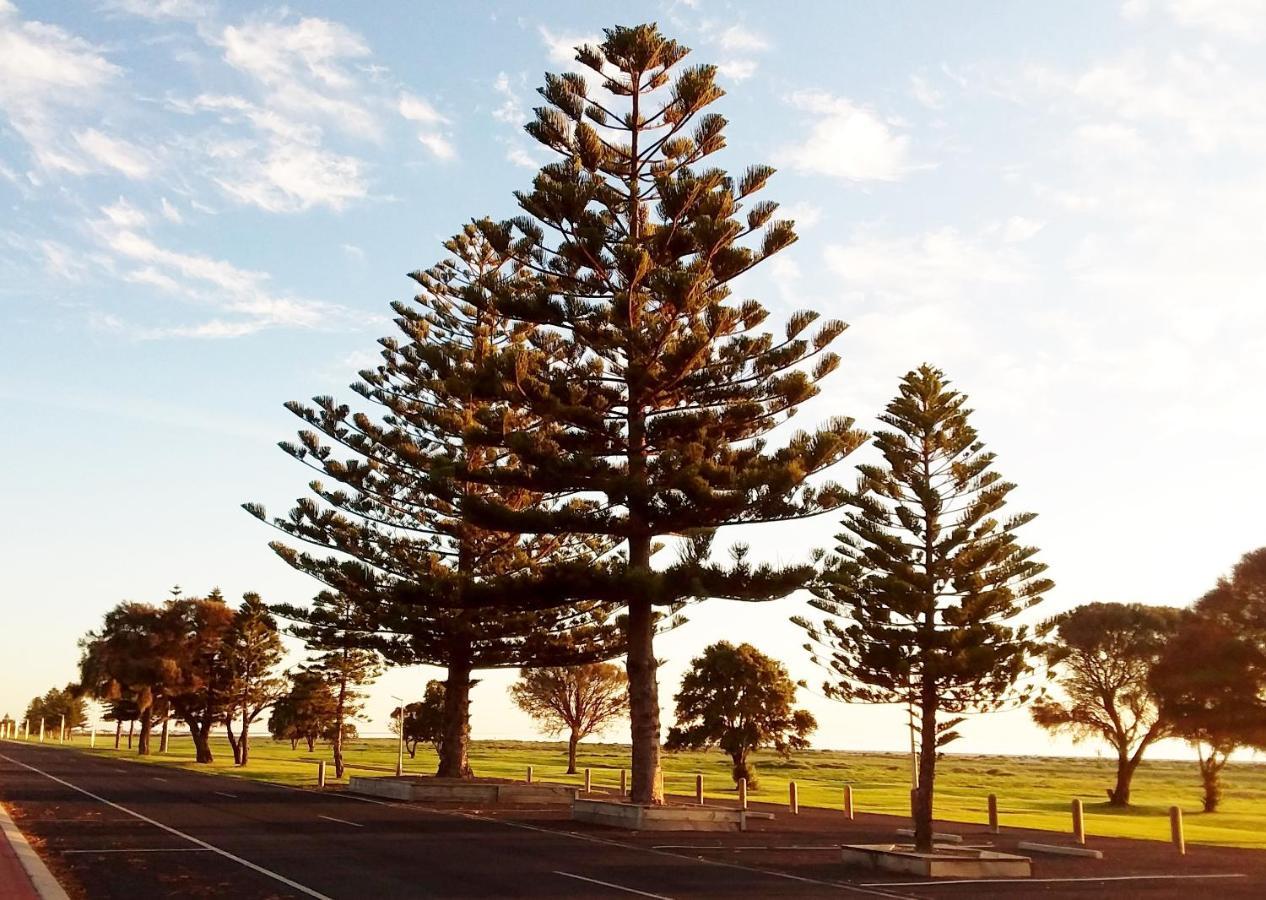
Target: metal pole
x=400, y=737
x=321, y=773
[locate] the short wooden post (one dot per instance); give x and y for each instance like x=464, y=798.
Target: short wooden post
x=321, y=774
x=848, y=801
x=993, y=813
x=742, y=789
x=699, y=789
x=529, y=774
x=588, y=780
x=659, y=781
x=1079, y=823
x=624, y=782
x=26, y=730
x=1175, y=830
x=793, y=799
x=41, y=731
x=914, y=803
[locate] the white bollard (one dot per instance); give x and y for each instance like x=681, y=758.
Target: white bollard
x=41, y=731
x=848, y=801
x=1175, y=830
x=588, y=781
x=793, y=799
x=321, y=773
x=742, y=791
x=1079, y=823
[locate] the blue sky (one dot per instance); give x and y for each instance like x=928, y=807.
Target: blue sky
x=207, y=208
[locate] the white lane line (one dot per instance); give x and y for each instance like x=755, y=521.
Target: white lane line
x=751, y=847
x=341, y=821
x=143, y=850
x=614, y=887
x=158, y=777
x=1091, y=879
x=193, y=840
x=223, y=794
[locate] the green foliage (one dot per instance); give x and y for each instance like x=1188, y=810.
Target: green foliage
x=656, y=392
x=1103, y=655
x=740, y=700
x=423, y=719
x=922, y=591
x=306, y=712
x=56, y=703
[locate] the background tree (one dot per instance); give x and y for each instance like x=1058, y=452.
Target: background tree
x=654, y=392
x=423, y=719
x=1210, y=679
x=127, y=659
x=740, y=700
x=342, y=633
x=193, y=647
x=1102, y=656
x=579, y=700
x=402, y=525
x=252, y=653
x=306, y=712
x=928, y=577
x=119, y=711
x=56, y=703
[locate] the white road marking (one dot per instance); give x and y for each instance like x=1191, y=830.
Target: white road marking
x=614, y=887
x=222, y=794
x=193, y=840
x=341, y=821
x=751, y=847
x=951, y=882
x=143, y=850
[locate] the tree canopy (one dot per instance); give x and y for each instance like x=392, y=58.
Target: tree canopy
x=575, y=700
x=740, y=700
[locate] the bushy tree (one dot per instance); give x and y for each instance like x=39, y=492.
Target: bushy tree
x=655, y=392
x=192, y=642
x=127, y=661
x=252, y=653
x=578, y=700
x=1210, y=679
x=923, y=590
x=57, y=703
x=306, y=712
x=1102, y=656
x=740, y=700
x=423, y=719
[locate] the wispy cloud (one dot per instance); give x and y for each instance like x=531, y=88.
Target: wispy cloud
x=847, y=141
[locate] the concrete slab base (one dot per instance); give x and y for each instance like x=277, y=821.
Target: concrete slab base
x=1060, y=849
x=477, y=792
x=635, y=817
x=938, y=837
x=942, y=862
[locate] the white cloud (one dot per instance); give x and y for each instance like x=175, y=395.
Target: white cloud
x=737, y=37
x=294, y=178
x=114, y=153
x=846, y=141
x=162, y=9
x=354, y=252
x=439, y=146
x=806, y=215
x=561, y=47
x=934, y=266
x=170, y=212
x=1018, y=229
x=124, y=214
x=417, y=109
x=737, y=69
x=511, y=110
x=1240, y=19
x=923, y=91
x=520, y=157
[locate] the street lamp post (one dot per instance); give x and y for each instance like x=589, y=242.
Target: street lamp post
x=400, y=738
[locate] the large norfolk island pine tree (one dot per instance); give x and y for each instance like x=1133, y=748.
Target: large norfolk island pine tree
x=397, y=522
x=654, y=388
x=927, y=578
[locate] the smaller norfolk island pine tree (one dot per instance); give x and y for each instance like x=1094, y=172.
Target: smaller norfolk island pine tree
x=740, y=700
x=927, y=578
x=1102, y=656
x=252, y=653
x=655, y=390
x=408, y=557
x=578, y=700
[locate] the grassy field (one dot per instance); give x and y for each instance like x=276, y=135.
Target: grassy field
x=1032, y=791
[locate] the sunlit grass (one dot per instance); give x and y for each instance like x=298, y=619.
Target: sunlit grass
x=1032, y=791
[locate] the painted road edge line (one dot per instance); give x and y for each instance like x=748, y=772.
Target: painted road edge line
x=45, y=884
x=340, y=821
x=614, y=887
x=951, y=882
x=193, y=840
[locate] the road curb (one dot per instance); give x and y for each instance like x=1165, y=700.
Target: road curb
x=46, y=886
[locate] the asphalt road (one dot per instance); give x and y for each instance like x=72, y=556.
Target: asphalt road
x=118, y=829
x=112, y=828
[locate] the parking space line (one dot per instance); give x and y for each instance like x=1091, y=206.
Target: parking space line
x=193, y=840
x=614, y=887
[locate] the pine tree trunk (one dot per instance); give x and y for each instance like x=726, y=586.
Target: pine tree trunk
x=336, y=745
x=643, y=701
x=455, y=746
x=118, y=734
x=572, y=741
x=147, y=725
x=131, y=729
x=929, y=701
x=245, y=740
x=163, y=736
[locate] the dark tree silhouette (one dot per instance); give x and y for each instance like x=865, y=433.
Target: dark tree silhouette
x=577, y=700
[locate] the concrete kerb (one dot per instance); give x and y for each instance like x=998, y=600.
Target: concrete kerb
x=46, y=886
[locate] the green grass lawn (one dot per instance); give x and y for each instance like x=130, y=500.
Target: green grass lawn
x=1032, y=791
